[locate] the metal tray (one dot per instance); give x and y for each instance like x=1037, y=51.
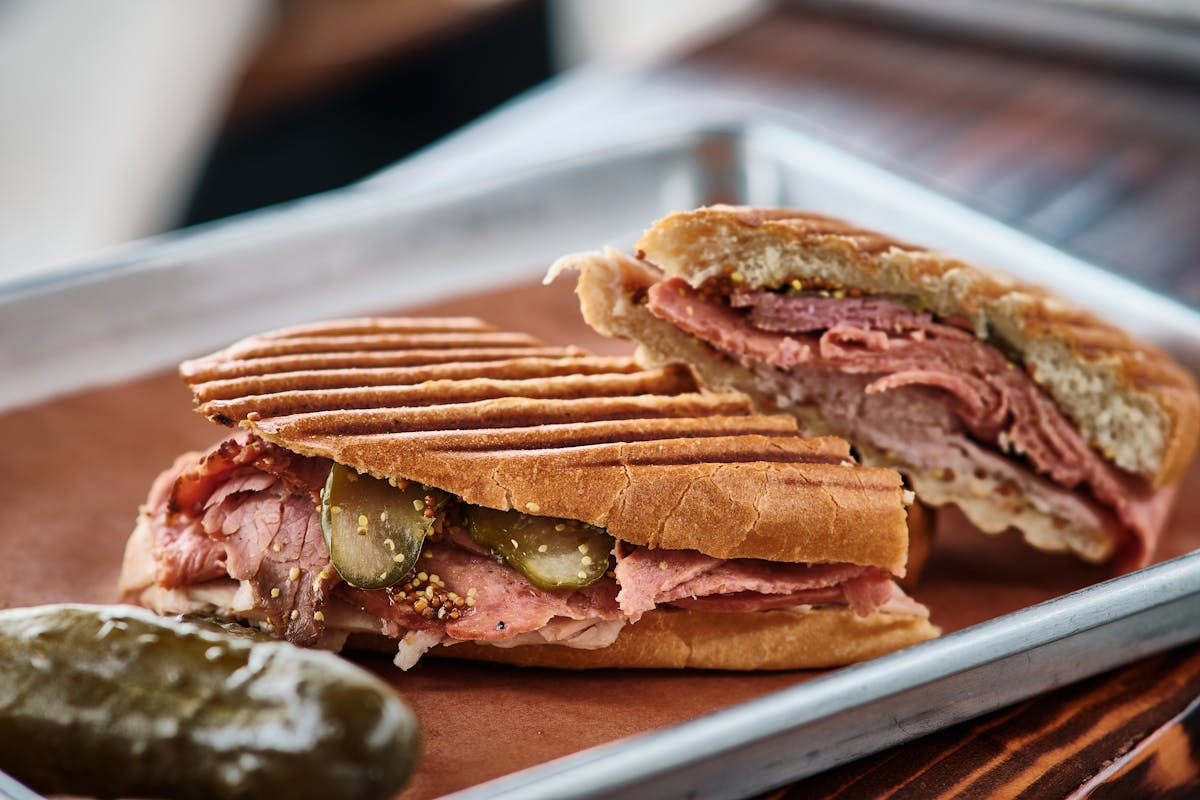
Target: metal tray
x=419, y=234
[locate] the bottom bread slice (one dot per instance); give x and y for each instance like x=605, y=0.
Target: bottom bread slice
x=779, y=639
x=666, y=638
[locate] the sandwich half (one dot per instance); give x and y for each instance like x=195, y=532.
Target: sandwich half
x=988, y=394
x=435, y=483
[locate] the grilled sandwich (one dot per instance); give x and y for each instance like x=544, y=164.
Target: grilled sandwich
x=991, y=395
x=438, y=484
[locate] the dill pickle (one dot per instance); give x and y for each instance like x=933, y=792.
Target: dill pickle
x=551, y=553
x=373, y=529
x=115, y=701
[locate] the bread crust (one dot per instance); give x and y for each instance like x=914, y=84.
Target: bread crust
x=780, y=639
x=796, y=512
x=1132, y=402
x=639, y=452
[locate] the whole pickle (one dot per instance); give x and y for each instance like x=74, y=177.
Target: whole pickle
x=116, y=701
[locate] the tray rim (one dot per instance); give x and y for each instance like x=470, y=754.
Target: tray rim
x=1144, y=311
x=1071, y=625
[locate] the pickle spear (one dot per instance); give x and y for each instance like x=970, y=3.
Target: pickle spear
x=373, y=529
x=552, y=553
x=114, y=701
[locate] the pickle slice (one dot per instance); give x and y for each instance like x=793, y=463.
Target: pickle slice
x=552, y=553
x=374, y=530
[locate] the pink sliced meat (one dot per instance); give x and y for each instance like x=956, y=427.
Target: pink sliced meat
x=506, y=603
x=183, y=553
x=196, y=483
x=771, y=311
x=248, y=509
x=740, y=602
x=864, y=594
x=650, y=577
x=960, y=387
x=869, y=592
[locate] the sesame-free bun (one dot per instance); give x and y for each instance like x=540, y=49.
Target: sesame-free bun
x=673, y=638
x=1129, y=399
x=503, y=421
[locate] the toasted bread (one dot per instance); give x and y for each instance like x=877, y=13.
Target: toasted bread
x=675, y=638
x=641, y=452
x=1130, y=400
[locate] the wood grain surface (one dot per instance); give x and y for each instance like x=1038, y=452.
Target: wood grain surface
x=1128, y=733
x=1101, y=161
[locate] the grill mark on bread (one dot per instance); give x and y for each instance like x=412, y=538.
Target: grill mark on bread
x=523, y=404
x=642, y=453
x=673, y=379
x=635, y=448
x=361, y=325
x=509, y=369
x=261, y=346
x=507, y=412
x=214, y=368
x=578, y=434
x=720, y=449
x=748, y=457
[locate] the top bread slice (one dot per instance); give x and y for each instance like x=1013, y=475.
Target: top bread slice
x=1130, y=400
x=504, y=421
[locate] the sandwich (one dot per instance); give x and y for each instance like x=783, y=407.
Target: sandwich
x=991, y=395
x=436, y=484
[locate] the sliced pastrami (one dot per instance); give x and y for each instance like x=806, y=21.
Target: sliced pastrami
x=650, y=577
x=839, y=352
x=248, y=509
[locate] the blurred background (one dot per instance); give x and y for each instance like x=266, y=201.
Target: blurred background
x=1076, y=120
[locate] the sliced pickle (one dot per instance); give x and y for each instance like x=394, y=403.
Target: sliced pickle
x=374, y=530
x=552, y=553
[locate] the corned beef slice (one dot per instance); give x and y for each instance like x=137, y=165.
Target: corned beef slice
x=649, y=577
x=945, y=392
x=248, y=509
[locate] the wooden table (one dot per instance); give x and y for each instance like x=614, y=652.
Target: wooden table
x=1101, y=162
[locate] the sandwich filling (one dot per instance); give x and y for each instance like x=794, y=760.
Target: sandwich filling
x=899, y=381
x=250, y=511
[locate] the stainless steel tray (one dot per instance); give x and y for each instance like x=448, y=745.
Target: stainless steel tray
x=424, y=234
x=421, y=233
x=862, y=709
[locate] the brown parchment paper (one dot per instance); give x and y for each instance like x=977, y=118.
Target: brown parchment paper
x=74, y=470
